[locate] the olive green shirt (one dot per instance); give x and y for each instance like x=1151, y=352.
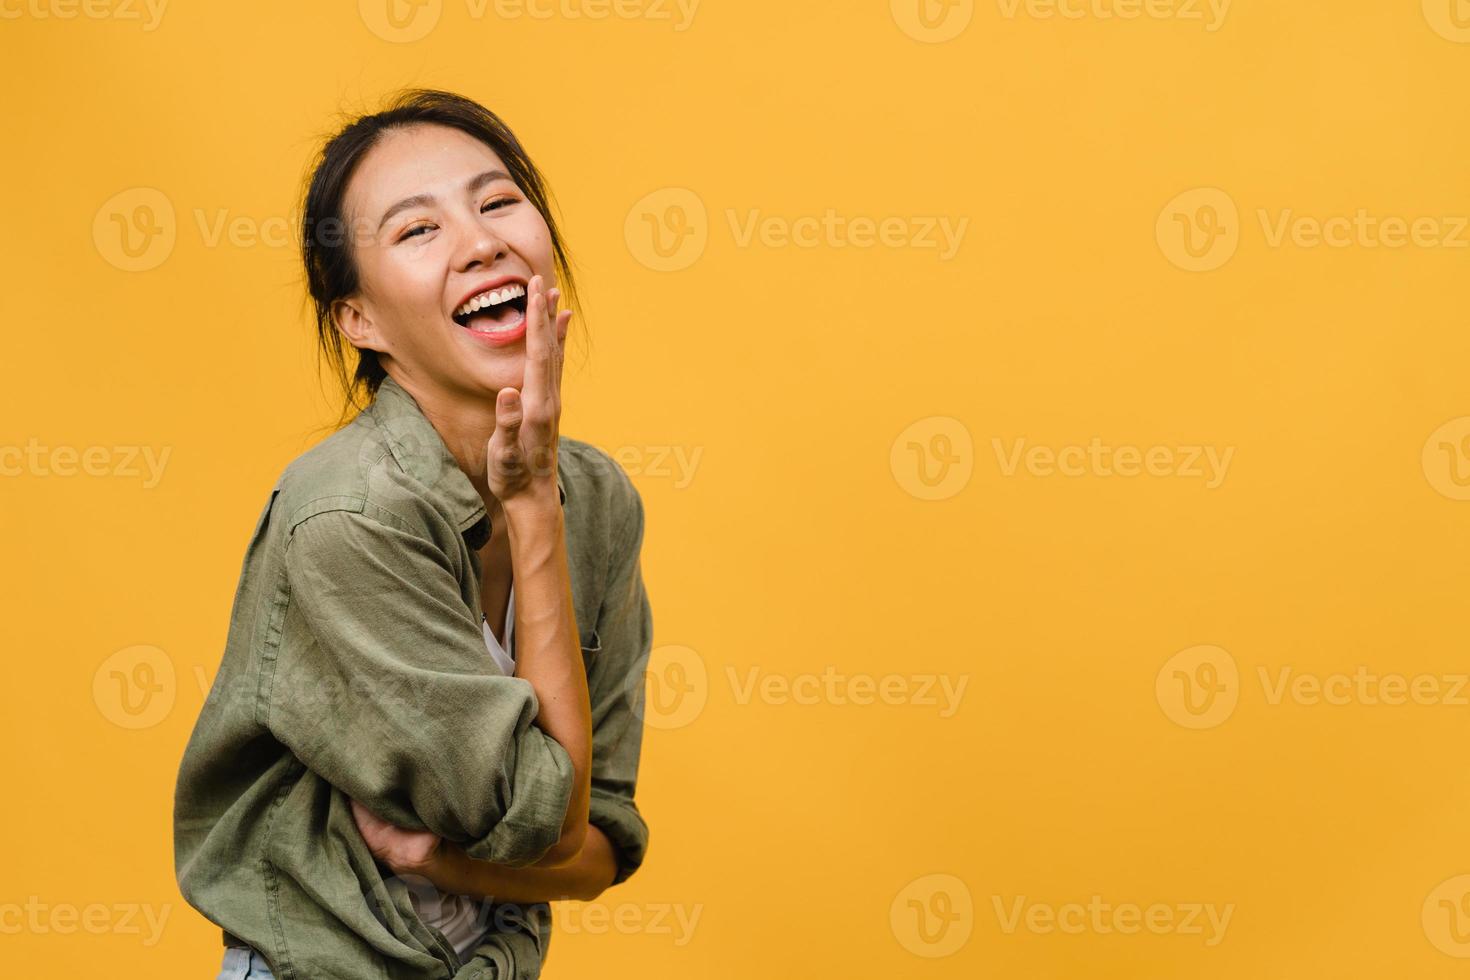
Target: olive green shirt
x=356, y=668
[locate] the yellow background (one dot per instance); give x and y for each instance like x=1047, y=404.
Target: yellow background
x=817, y=836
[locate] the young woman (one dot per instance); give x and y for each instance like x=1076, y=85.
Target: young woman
x=426, y=724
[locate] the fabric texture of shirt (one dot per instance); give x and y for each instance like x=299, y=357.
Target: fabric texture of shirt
x=355, y=667
x=461, y=918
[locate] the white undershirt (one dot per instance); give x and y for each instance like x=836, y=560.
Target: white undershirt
x=503, y=660
x=459, y=917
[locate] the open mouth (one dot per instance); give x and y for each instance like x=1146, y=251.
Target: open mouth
x=495, y=310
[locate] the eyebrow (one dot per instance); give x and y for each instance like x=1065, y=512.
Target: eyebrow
x=471, y=185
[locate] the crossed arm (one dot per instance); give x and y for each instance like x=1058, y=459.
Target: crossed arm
x=584, y=878
x=616, y=836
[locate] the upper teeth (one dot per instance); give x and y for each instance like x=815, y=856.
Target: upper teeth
x=492, y=298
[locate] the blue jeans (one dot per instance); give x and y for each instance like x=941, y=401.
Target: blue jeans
x=244, y=964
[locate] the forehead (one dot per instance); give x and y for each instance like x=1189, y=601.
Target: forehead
x=418, y=159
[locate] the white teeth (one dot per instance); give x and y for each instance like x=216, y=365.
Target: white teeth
x=493, y=297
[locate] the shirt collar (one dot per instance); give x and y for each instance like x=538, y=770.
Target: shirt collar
x=420, y=451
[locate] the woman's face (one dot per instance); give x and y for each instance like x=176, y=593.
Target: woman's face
x=436, y=220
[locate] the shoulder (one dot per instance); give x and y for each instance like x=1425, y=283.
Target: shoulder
x=365, y=469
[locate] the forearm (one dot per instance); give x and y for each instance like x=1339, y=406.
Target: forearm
x=583, y=878
x=548, y=651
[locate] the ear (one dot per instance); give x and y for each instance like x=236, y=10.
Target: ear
x=353, y=322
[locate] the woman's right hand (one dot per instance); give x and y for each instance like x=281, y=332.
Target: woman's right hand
x=404, y=851
x=521, y=461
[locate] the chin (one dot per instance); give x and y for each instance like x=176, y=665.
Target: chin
x=492, y=380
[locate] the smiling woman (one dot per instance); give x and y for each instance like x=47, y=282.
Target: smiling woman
x=427, y=721
x=383, y=249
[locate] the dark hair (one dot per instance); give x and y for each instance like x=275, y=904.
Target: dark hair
x=331, y=270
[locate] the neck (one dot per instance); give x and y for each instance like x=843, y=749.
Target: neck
x=465, y=423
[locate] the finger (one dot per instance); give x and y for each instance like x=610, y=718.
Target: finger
x=367, y=821
x=554, y=318
x=563, y=319
x=534, y=381
x=505, y=442
x=548, y=334
x=508, y=415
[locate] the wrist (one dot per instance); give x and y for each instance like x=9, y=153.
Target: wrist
x=446, y=866
x=533, y=510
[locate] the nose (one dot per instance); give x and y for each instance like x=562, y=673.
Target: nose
x=479, y=246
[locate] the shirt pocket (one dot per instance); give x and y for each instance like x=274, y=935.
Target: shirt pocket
x=591, y=647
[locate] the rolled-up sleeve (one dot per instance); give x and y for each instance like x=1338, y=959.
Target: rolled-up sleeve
x=616, y=682
x=387, y=693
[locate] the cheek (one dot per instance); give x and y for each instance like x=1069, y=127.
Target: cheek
x=407, y=300
x=412, y=290
x=533, y=240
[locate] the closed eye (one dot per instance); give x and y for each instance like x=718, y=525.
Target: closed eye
x=489, y=206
